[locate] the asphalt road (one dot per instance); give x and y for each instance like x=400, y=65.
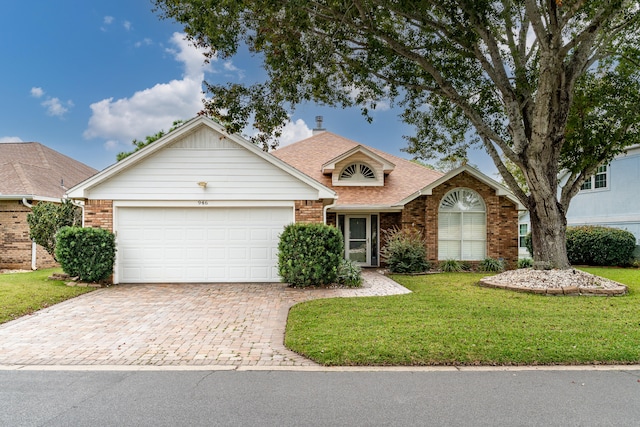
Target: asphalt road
x=329, y=398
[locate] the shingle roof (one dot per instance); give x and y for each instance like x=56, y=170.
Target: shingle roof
x=310, y=154
x=31, y=169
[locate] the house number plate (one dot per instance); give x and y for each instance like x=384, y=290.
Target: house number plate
x=203, y=202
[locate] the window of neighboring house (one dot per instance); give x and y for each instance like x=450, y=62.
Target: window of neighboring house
x=357, y=172
x=524, y=230
x=462, y=226
x=597, y=181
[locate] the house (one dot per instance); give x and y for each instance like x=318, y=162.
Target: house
x=608, y=198
x=31, y=173
x=463, y=214
x=200, y=205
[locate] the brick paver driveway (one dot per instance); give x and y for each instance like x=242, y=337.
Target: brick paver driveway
x=173, y=324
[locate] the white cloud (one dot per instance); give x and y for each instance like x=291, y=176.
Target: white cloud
x=144, y=42
x=10, y=139
x=55, y=107
x=381, y=104
x=192, y=57
x=108, y=20
x=147, y=111
x=294, y=132
x=127, y=25
x=37, y=92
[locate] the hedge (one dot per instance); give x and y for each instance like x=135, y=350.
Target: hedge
x=310, y=254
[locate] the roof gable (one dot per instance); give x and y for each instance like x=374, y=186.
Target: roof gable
x=326, y=148
x=32, y=170
x=330, y=166
x=201, y=134
x=500, y=189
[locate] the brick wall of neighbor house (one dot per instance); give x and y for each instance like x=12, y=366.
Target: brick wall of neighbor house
x=98, y=214
x=309, y=211
x=502, y=219
x=15, y=244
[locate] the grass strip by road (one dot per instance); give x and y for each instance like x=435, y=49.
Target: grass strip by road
x=25, y=293
x=449, y=320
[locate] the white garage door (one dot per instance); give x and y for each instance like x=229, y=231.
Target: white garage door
x=164, y=245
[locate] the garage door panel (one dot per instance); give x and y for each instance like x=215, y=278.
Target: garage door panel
x=199, y=244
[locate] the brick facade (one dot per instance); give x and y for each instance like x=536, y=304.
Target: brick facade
x=15, y=244
x=99, y=214
x=502, y=219
x=309, y=211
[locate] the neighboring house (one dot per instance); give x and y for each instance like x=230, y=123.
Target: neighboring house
x=30, y=173
x=200, y=205
x=608, y=198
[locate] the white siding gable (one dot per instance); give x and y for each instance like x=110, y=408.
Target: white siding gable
x=231, y=172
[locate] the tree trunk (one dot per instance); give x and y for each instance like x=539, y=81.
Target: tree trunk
x=548, y=234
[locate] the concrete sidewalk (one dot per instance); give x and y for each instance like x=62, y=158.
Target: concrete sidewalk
x=231, y=325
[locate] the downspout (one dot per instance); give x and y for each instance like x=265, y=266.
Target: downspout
x=324, y=211
x=34, y=248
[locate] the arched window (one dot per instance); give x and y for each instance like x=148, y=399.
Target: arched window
x=462, y=226
x=357, y=172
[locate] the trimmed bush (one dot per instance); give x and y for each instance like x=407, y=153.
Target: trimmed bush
x=525, y=263
x=88, y=253
x=451, y=266
x=595, y=245
x=46, y=219
x=405, y=251
x=491, y=265
x=349, y=274
x=310, y=254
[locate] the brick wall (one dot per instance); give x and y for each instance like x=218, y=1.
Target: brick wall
x=309, y=211
x=15, y=244
x=502, y=219
x=99, y=214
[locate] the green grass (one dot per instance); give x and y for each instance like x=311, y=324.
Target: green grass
x=449, y=320
x=24, y=293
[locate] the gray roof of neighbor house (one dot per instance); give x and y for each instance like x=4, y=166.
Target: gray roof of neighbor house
x=29, y=169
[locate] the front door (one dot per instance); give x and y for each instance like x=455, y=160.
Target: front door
x=361, y=238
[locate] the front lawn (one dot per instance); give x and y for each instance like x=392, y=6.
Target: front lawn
x=448, y=320
x=24, y=293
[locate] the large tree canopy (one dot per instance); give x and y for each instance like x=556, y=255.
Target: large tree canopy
x=502, y=74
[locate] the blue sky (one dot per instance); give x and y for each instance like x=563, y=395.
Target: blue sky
x=87, y=77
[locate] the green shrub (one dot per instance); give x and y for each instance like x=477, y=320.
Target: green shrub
x=595, y=245
x=349, y=274
x=451, y=266
x=88, y=253
x=405, y=251
x=310, y=254
x=525, y=263
x=491, y=265
x=46, y=219
x=465, y=265
x=528, y=243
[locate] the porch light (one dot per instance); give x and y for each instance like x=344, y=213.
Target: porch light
x=203, y=184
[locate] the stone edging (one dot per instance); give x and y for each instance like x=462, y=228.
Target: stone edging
x=567, y=290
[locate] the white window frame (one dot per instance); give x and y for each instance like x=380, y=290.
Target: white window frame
x=521, y=236
x=358, y=176
x=448, y=210
x=592, y=180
